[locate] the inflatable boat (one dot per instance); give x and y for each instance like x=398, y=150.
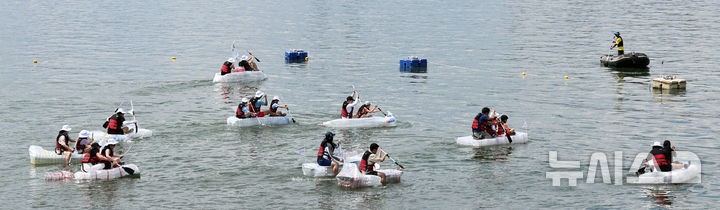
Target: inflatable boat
x=129, y=170
x=351, y=177
x=630, y=60
x=681, y=173
x=40, y=156
x=387, y=121
x=244, y=76
x=280, y=120
x=518, y=138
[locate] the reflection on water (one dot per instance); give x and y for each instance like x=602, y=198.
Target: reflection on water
x=228, y=91
x=630, y=72
x=494, y=153
x=660, y=195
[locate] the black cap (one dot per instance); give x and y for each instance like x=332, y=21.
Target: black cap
x=350, y=98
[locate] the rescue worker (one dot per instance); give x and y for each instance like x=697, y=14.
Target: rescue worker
x=619, y=43
x=482, y=124
x=326, y=152
x=108, y=152
x=228, y=66
x=274, y=105
x=83, y=142
x=92, y=159
x=365, y=110
x=248, y=64
x=243, y=110
x=348, y=105
x=62, y=146
x=369, y=158
x=257, y=102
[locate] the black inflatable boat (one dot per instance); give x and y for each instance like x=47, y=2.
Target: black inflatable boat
x=630, y=60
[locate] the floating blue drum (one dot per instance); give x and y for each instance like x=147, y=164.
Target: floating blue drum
x=296, y=55
x=413, y=65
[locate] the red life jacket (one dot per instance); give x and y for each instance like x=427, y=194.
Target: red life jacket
x=345, y=113
x=321, y=151
x=239, y=113
x=115, y=125
x=91, y=157
x=225, y=69
x=487, y=128
x=59, y=149
x=364, y=166
x=659, y=157
x=500, y=129
x=271, y=106
x=475, y=124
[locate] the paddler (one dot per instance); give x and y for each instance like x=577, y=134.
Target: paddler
x=326, y=154
x=365, y=110
x=114, y=124
x=247, y=63
x=111, y=160
x=504, y=129
x=348, y=105
x=482, y=124
x=257, y=102
x=92, y=159
x=83, y=141
x=243, y=110
x=369, y=158
x=274, y=105
x=228, y=66
x=658, y=155
x=61, y=143
x=619, y=43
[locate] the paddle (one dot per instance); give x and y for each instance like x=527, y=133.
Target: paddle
x=258, y=60
x=291, y=117
x=393, y=160
x=382, y=111
x=132, y=112
x=128, y=170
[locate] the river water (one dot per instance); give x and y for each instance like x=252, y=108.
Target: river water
x=93, y=56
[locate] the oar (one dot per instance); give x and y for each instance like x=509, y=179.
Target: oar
x=393, y=160
x=382, y=111
x=258, y=60
x=132, y=111
x=291, y=117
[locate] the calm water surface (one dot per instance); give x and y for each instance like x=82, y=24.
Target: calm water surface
x=93, y=56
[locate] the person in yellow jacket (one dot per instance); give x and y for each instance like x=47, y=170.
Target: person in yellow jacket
x=619, y=43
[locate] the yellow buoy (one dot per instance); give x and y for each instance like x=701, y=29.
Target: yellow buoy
x=523, y=73
x=566, y=77
x=306, y=58
x=173, y=58
x=34, y=61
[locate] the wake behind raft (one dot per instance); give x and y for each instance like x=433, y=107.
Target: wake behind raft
x=631, y=60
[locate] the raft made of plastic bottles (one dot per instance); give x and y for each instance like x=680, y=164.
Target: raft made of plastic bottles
x=518, y=138
x=351, y=177
x=40, y=156
x=243, y=76
x=369, y=122
x=255, y=121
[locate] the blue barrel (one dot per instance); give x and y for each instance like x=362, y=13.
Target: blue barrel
x=413, y=65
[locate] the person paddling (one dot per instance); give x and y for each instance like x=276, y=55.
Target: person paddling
x=369, y=158
x=115, y=124
x=248, y=64
x=228, y=66
x=83, y=142
x=504, y=129
x=365, y=110
x=62, y=143
x=658, y=155
x=274, y=105
x=243, y=110
x=326, y=153
x=348, y=105
x=257, y=102
x=482, y=124
x=92, y=159
x=619, y=43
x=108, y=152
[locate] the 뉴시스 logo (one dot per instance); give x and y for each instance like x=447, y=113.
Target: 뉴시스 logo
x=686, y=168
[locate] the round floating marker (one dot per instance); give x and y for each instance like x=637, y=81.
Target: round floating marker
x=566, y=77
x=173, y=58
x=523, y=73
x=306, y=58
x=34, y=61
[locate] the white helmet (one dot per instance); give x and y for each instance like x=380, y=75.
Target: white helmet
x=657, y=144
x=120, y=110
x=244, y=57
x=111, y=141
x=245, y=100
x=259, y=94
x=84, y=134
x=231, y=60
x=367, y=102
x=66, y=128
x=276, y=98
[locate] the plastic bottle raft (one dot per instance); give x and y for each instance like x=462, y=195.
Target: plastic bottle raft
x=40, y=156
x=369, y=122
x=243, y=76
x=630, y=60
x=351, y=177
x=413, y=64
x=128, y=170
x=315, y=170
x=296, y=55
x=518, y=138
x=681, y=173
x=254, y=121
